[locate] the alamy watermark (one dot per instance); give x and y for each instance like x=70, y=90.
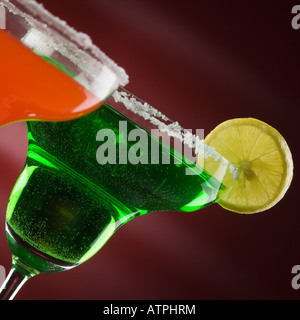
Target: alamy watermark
x=135, y=147
x=2, y=17
x=296, y=18
x=2, y=275
x=296, y=279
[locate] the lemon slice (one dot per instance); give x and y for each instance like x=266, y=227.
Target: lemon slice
x=263, y=160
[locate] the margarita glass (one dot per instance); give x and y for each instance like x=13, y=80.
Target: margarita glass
x=121, y=161
x=30, y=88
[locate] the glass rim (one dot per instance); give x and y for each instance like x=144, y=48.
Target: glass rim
x=155, y=122
x=62, y=34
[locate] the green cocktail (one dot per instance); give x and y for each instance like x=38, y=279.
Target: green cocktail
x=66, y=203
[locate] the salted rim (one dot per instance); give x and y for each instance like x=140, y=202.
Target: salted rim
x=173, y=129
x=54, y=25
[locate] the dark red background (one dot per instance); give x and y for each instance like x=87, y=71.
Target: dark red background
x=199, y=62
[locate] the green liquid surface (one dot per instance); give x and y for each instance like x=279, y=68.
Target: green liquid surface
x=66, y=204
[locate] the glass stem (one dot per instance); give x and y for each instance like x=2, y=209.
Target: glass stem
x=13, y=283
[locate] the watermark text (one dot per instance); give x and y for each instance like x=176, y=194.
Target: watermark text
x=151, y=309
x=2, y=17
x=136, y=146
x=296, y=17
x=296, y=279
x=2, y=275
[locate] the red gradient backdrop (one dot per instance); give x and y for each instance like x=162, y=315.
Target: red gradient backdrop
x=199, y=62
